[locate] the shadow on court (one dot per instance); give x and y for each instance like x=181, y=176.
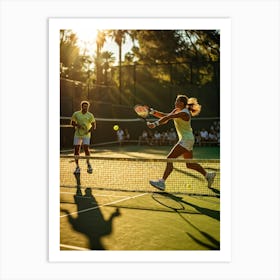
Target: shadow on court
x=90, y=220
x=217, y=192
x=205, y=211
x=214, y=243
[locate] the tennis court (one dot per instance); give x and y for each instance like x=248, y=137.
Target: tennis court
x=115, y=208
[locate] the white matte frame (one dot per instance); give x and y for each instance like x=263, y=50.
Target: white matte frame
x=254, y=194
x=222, y=24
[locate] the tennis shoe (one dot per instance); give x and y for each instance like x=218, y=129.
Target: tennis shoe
x=77, y=170
x=159, y=184
x=210, y=176
x=89, y=169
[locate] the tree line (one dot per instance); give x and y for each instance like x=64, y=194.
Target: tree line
x=180, y=56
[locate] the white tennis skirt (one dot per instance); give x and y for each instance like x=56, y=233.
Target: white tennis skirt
x=187, y=144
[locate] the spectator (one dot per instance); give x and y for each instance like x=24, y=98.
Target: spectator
x=143, y=137
x=126, y=135
x=212, y=136
x=204, y=135
x=156, y=138
x=218, y=137
x=172, y=137
x=164, y=138
x=197, y=137
x=217, y=125
x=120, y=136
x=150, y=137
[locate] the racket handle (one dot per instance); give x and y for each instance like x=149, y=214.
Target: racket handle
x=153, y=124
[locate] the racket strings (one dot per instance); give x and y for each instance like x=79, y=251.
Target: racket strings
x=142, y=111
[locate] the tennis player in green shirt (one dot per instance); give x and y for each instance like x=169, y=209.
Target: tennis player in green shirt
x=84, y=122
x=185, y=108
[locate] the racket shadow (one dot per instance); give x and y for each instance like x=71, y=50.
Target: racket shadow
x=213, y=243
x=205, y=211
x=168, y=201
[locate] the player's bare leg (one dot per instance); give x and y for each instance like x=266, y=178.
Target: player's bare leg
x=174, y=153
x=193, y=165
x=209, y=176
x=76, y=154
x=87, y=153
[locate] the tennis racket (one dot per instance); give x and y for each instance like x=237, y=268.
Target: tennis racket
x=82, y=130
x=142, y=111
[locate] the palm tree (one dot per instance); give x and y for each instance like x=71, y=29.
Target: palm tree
x=119, y=38
x=100, y=40
x=69, y=53
x=107, y=60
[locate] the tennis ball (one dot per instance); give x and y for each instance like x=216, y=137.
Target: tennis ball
x=116, y=127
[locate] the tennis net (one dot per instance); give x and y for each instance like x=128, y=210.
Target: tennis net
x=133, y=174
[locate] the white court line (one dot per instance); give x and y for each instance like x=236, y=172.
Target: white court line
x=106, y=204
x=73, y=247
x=97, y=194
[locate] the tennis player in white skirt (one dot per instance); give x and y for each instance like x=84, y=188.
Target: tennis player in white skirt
x=185, y=108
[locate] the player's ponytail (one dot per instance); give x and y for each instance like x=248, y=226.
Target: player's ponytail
x=191, y=104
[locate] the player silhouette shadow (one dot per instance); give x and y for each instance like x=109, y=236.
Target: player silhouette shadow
x=90, y=220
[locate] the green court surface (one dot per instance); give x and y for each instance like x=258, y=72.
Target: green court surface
x=100, y=219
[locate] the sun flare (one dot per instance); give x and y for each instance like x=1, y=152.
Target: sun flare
x=86, y=39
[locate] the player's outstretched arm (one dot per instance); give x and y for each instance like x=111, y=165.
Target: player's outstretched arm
x=166, y=118
x=157, y=113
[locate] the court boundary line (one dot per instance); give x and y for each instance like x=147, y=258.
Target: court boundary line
x=74, y=247
x=96, y=195
x=103, y=205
